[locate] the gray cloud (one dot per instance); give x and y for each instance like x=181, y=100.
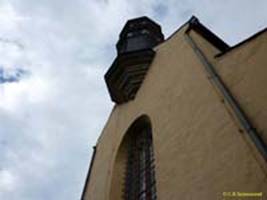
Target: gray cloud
x=50, y=121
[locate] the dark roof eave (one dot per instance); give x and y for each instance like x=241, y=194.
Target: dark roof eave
x=207, y=34
x=193, y=23
x=254, y=36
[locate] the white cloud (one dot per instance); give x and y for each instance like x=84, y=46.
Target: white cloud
x=50, y=120
x=9, y=19
x=32, y=90
x=7, y=181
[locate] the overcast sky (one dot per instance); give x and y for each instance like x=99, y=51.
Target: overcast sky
x=53, y=99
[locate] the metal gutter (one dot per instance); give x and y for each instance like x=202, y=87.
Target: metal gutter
x=89, y=173
x=239, y=113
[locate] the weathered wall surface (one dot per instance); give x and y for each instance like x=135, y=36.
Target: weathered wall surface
x=199, y=151
x=244, y=71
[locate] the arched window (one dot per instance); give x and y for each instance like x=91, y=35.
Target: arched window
x=136, y=163
x=140, y=171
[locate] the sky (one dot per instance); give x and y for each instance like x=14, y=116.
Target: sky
x=53, y=98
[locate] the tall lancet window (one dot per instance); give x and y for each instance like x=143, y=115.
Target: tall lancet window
x=140, y=183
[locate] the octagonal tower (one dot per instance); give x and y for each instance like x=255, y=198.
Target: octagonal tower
x=135, y=53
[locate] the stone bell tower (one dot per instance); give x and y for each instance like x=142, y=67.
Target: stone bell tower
x=135, y=53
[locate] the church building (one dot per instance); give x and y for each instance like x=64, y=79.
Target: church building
x=189, y=120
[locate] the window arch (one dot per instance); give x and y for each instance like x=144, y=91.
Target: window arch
x=134, y=170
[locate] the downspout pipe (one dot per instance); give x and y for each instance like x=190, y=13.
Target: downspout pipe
x=89, y=173
x=228, y=97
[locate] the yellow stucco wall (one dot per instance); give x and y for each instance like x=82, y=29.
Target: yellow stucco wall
x=244, y=70
x=199, y=151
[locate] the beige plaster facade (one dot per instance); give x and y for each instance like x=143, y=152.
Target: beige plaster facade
x=200, y=148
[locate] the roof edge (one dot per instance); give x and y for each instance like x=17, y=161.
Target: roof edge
x=206, y=33
x=194, y=24
x=243, y=42
x=88, y=173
